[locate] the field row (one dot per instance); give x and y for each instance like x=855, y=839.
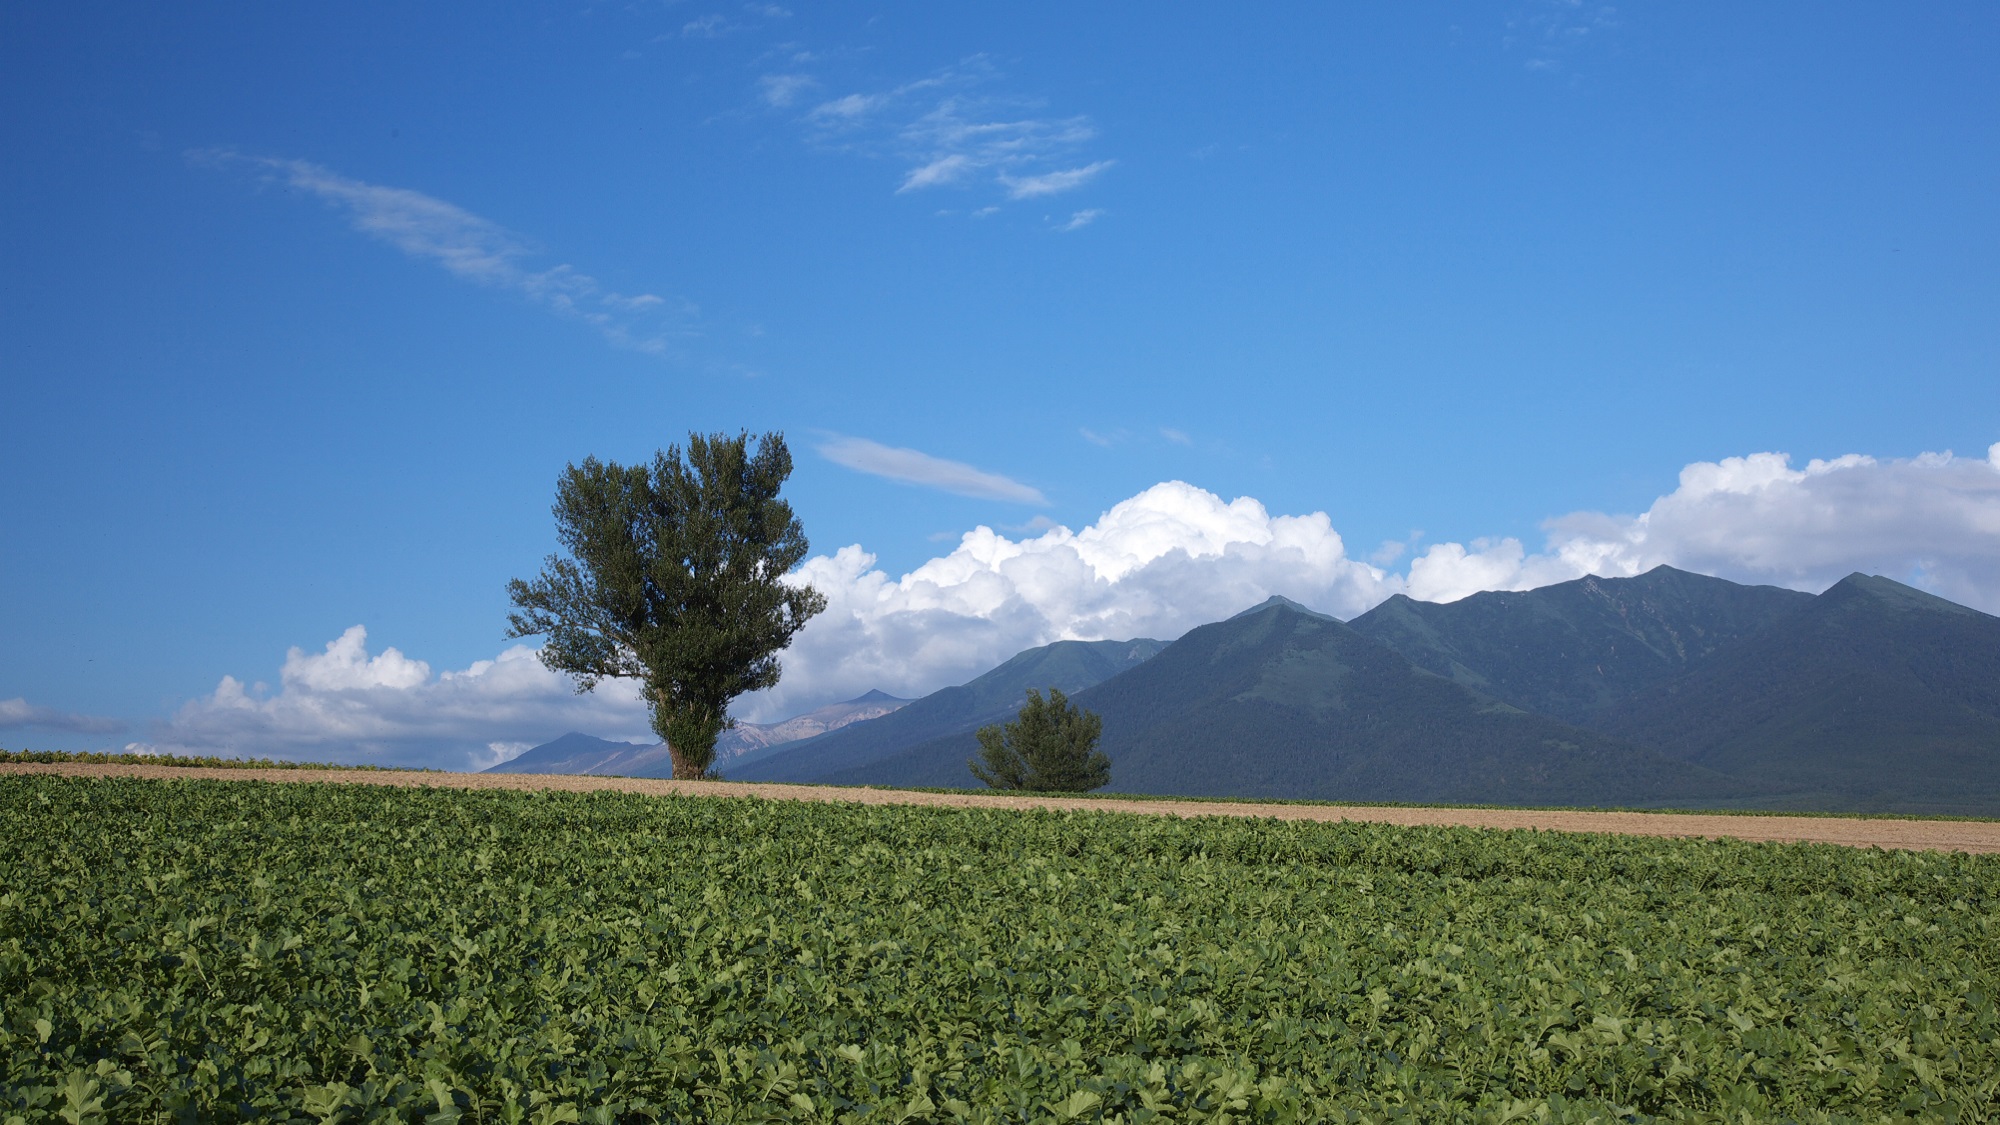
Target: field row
x=1954, y=834
x=217, y=951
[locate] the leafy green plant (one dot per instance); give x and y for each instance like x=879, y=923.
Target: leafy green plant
x=213, y=951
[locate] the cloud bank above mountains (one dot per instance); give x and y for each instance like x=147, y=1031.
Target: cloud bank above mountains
x=1173, y=557
x=342, y=703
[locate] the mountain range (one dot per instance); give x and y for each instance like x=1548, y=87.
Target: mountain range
x=1668, y=689
x=1665, y=689
x=994, y=697
x=1873, y=696
x=581, y=753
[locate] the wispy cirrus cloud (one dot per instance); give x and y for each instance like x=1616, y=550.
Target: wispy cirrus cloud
x=1551, y=32
x=912, y=466
x=846, y=109
x=953, y=128
x=944, y=170
x=781, y=90
x=957, y=127
x=18, y=712
x=1082, y=219
x=712, y=26
x=473, y=249
x=1053, y=183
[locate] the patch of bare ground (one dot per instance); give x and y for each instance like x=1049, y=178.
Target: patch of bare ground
x=1914, y=835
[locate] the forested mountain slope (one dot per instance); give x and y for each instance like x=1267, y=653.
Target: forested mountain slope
x=1875, y=696
x=994, y=696
x=1574, y=648
x=1284, y=703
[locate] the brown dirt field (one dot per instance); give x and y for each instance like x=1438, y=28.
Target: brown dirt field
x=1914, y=835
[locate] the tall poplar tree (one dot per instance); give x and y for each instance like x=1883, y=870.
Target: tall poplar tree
x=675, y=577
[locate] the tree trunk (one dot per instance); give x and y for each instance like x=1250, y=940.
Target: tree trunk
x=663, y=719
x=683, y=770
x=691, y=729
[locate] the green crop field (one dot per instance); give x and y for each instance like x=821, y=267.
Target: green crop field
x=221, y=951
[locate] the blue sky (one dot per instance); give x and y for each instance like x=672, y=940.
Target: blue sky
x=306, y=309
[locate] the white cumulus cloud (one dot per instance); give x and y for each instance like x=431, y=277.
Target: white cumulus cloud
x=1932, y=520
x=1176, y=556
x=386, y=708
x=1172, y=557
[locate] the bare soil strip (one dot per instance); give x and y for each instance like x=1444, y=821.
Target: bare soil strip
x=1911, y=835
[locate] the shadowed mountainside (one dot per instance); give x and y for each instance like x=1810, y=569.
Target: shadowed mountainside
x=995, y=696
x=1281, y=702
x=1574, y=648
x=1875, y=696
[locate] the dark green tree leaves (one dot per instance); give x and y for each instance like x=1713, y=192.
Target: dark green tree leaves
x=674, y=577
x=1051, y=747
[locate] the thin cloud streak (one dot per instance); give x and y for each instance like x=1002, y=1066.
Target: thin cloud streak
x=708, y=27
x=946, y=133
x=18, y=713
x=912, y=466
x=849, y=108
x=943, y=170
x=781, y=90
x=1083, y=219
x=473, y=249
x=1053, y=183
x=1554, y=32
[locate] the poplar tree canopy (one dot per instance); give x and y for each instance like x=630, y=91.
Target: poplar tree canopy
x=674, y=576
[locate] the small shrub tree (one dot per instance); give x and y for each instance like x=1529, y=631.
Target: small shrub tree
x=1050, y=747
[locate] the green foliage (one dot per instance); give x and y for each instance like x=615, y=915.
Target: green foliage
x=675, y=577
x=1050, y=748
x=211, y=951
